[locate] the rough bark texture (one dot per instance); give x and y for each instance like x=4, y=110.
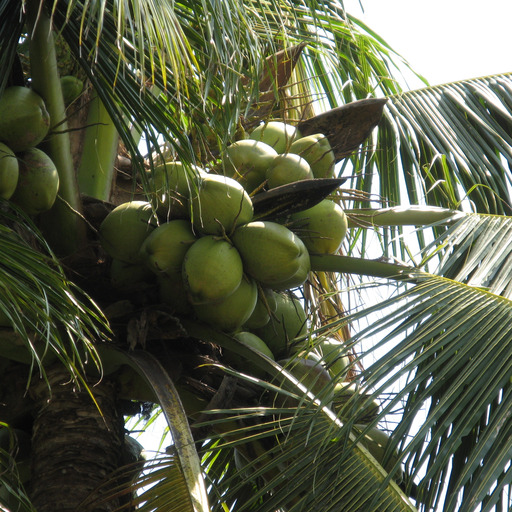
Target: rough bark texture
x=75, y=446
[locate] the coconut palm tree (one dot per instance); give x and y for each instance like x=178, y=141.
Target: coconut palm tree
x=424, y=180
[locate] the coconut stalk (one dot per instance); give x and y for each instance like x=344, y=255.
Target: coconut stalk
x=62, y=225
x=96, y=171
x=361, y=266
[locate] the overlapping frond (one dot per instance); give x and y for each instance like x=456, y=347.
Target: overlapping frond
x=296, y=459
x=448, y=144
x=446, y=347
x=52, y=318
x=477, y=251
x=186, y=73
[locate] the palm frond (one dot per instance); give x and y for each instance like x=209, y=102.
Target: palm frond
x=476, y=251
x=14, y=473
x=453, y=145
x=52, y=319
x=448, y=146
x=147, y=485
x=162, y=487
x=205, y=89
x=445, y=346
x=189, y=476
x=299, y=455
x=294, y=458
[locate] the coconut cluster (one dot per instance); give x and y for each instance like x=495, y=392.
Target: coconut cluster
x=28, y=176
x=197, y=235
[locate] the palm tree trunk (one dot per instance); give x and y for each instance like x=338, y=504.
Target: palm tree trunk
x=76, y=443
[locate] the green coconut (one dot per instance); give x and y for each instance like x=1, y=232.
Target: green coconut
x=276, y=134
x=302, y=273
x=129, y=277
x=9, y=171
x=322, y=227
x=192, y=403
x=124, y=230
x=288, y=168
x=242, y=465
x=335, y=357
x=38, y=182
x=171, y=185
x=5, y=321
x=287, y=323
x=250, y=339
x=232, y=312
x=72, y=87
x=164, y=249
x=173, y=293
x=24, y=120
x=265, y=306
x=311, y=374
x=220, y=205
x=271, y=252
x=247, y=161
x=245, y=364
x=212, y=270
x=376, y=441
x=350, y=401
x=317, y=150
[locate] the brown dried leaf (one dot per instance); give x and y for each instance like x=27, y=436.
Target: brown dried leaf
x=279, y=67
x=346, y=127
x=277, y=72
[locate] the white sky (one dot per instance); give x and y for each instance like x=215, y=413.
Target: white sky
x=444, y=40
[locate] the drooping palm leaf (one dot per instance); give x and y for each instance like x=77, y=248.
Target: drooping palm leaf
x=204, y=84
x=445, y=346
x=297, y=459
x=51, y=317
x=311, y=438
x=453, y=145
x=476, y=251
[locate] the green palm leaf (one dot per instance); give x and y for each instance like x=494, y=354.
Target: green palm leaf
x=205, y=89
x=52, y=319
x=476, y=251
x=312, y=447
x=447, y=347
x=450, y=135
x=438, y=354
x=297, y=459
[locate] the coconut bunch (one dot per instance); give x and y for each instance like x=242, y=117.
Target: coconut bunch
x=212, y=256
x=276, y=154
x=214, y=259
x=28, y=176
x=217, y=259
